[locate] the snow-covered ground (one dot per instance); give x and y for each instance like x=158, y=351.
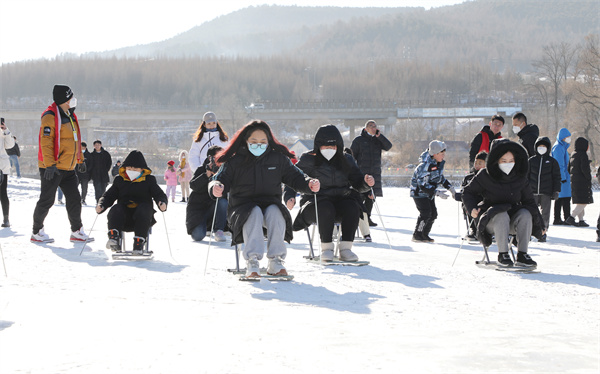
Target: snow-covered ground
x=410, y=311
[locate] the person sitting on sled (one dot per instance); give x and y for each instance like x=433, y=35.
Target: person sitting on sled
x=133, y=190
x=508, y=205
x=477, y=165
x=340, y=197
x=253, y=167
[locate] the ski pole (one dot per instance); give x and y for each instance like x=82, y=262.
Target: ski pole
x=210, y=235
x=381, y=218
x=458, y=227
x=168, y=241
x=3, y=262
x=86, y=240
x=318, y=230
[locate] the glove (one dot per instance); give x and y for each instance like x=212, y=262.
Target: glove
x=82, y=168
x=441, y=194
x=563, y=181
x=452, y=192
x=50, y=172
x=555, y=195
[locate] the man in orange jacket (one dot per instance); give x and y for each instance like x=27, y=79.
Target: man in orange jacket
x=59, y=153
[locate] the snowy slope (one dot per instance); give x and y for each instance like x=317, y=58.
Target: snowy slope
x=410, y=311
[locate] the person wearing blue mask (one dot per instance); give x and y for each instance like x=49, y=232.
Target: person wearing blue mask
x=252, y=169
x=208, y=134
x=561, y=155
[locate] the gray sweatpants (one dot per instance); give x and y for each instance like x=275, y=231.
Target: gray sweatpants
x=544, y=202
x=254, y=242
x=521, y=225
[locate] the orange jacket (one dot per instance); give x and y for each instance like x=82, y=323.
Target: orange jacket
x=63, y=151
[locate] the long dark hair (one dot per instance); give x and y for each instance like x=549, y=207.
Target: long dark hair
x=241, y=137
x=202, y=129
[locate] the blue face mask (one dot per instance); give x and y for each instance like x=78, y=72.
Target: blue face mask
x=212, y=130
x=257, y=149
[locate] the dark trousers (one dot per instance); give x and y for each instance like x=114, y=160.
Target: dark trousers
x=4, y=195
x=99, y=188
x=563, y=203
x=368, y=203
x=139, y=219
x=67, y=181
x=427, y=214
x=84, y=187
x=346, y=211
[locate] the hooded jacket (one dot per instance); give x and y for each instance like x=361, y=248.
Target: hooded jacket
x=544, y=171
x=6, y=141
x=581, y=173
x=130, y=193
x=184, y=170
x=561, y=155
x=366, y=149
x=528, y=135
x=477, y=143
x=340, y=177
x=198, y=149
x=426, y=177
x=100, y=164
x=501, y=192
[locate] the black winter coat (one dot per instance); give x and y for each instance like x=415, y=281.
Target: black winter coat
x=544, y=171
x=528, y=137
x=86, y=160
x=501, y=192
x=366, y=149
x=100, y=164
x=199, y=201
x=581, y=174
x=478, y=139
x=256, y=181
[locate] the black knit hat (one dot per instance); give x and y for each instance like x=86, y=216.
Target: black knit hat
x=61, y=94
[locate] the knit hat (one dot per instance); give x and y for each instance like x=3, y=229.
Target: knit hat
x=436, y=146
x=171, y=163
x=209, y=117
x=61, y=94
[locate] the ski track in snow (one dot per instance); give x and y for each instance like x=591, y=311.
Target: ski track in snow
x=409, y=311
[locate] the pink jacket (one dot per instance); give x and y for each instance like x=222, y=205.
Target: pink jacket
x=171, y=177
x=185, y=173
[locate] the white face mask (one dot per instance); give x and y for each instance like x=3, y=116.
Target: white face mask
x=328, y=153
x=542, y=150
x=132, y=174
x=506, y=167
x=73, y=102
x=568, y=140
x=516, y=129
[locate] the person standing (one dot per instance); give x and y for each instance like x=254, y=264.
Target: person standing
x=527, y=133
x=115, y=169
x=581, y=182
x=366, y=149
x=171, y=179
x=184, y=173
x=208, y=134
x=6, y=142
x=488, y=133
x=100, y=166
x=83, y=174
x=560, y=154
x=13, y=153
x=59, y=153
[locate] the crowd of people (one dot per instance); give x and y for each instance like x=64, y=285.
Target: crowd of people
x=247, y=185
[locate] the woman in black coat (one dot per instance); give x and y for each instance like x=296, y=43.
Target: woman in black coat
x=254, y=166
x=508, y=206
x=581, y=182
x=339, y=198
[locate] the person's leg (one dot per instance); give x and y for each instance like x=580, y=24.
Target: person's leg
x=566, y=207
x=253, y=235
x=363, y=225
x=60, y=194
x=98, y=191
x=84, y=188
x=326, y=218
x=545, y=202
x=69, y=185
x=431, y=220
x=349, y=213
x=425, y=214
x=221, y=218
x=116, y=217
x=4, y=197
x=46, y=200
x=14, y=162
x=557, y=209
x=199, y=232
x=275, y=224
x=521, y=225
x=579, y=211
x=499, y=226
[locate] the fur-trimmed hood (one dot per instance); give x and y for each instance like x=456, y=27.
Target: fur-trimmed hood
x=184, y=154
x=497, y=149
x=545, y=141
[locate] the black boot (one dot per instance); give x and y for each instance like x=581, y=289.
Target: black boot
x=427, y=230
x=138, y=245
x=114, y=241
x=598, y=233
x=6, y=223
x=418, y=234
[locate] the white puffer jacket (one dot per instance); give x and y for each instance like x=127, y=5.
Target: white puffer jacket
x=199, y=149
x=7, y=142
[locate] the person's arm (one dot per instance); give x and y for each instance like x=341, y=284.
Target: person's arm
x=194, y=156
x=386, y=145
x=474, y=150
x=47, y=134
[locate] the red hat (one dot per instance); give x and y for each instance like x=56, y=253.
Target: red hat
x=171, y=163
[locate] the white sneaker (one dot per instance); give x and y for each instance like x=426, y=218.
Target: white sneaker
x=253, y=267
x=80, y=236
x=276, y=266
x=326, y=251
x=41, y=237
x=346, y=253
x=220, y=236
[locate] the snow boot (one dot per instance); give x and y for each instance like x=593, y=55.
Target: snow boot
x=327, y=251
x=138, y=245
x=570, y=221
x=80, y=236
x=371, y=223
x=427, y=230
x=346, y=253
x=582, y=223
x=504, y=259
x=368, y=238
x=220, y=236
x=276, y=266
x=598, y=238
x=523, y=259
x=6, y=223
x=252, y=267
x=113, y=241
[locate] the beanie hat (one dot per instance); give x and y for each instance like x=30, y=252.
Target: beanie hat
x=61, y=94
x=209, y=117
x=436, y=146
x=171, y=163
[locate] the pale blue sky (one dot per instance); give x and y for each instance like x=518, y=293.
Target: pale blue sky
x=31, y=29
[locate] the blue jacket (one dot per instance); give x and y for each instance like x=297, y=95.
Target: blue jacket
x=428, y=174
x=561, y=155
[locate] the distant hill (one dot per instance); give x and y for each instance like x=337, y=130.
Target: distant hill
x=502, y=33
